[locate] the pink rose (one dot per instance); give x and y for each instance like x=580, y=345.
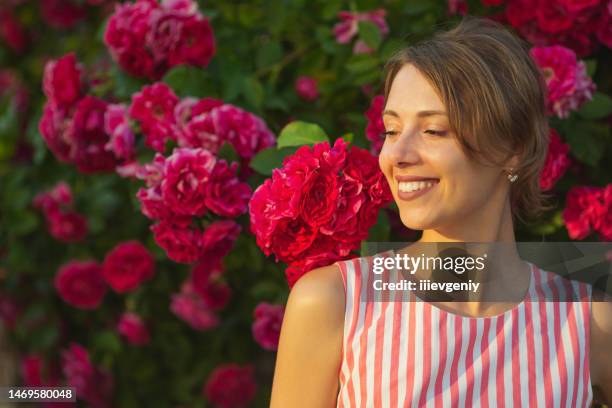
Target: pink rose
x=231, y=386
x=268, y=319
x=67, y=226
x=568, y=84
x=92, y=384
x=117, y=126
x=56, y=130
x=132, y=327
x=225, y=194
x=206, y=278
x=154, y=107
x=196, y=45
x=191, y=308
x=306, y=88
x=80, y=284
x=187, y=171
x=348, y=27
x=127, y=266
x=247, y=133
x=62, y=81
x=125, y=36
x=59, y=197
x=557, y=161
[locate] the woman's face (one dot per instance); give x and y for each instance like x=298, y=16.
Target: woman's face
x=433, y=182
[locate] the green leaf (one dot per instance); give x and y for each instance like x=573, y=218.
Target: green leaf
x=271, y=158
x=348, y=137
x=125, y=84
x=588, y=141
x=228, y=153
x=268, y=54
x=381, y=230
x=253, y=91
x=598, y=107
x=591, y=67
x=362, y=63
x=299, y=133
x=190, y=81
x=107, y=341
x=370, y=34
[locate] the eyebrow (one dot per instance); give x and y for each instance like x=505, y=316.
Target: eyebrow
x=420, y=114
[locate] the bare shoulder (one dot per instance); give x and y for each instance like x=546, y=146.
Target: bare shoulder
x=320, y=288
x=601, y=338
x=309, y=350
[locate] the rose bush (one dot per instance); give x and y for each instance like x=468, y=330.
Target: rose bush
x=136, y=134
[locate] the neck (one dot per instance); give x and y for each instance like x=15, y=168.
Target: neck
x=492, y=228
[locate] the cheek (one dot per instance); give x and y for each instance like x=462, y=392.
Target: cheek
x=385, y=164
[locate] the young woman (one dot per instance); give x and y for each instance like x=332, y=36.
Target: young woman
x=466, y=137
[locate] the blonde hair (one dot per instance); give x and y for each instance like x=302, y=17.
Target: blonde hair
x=495, y=96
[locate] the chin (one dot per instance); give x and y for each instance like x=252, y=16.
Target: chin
x=415, y=220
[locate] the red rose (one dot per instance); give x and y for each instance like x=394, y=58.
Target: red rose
x=225, y=194
x=552, y=17
x=181, y=242
x=90, y=137
x=318, y=207
x=62, y=81
x=80, y=284
x=219, y=237
x=588, y=208
x=557, y=161
x=266, y=327
x=375, y=127
x=12, y=31
x=132, y=327
x=128, y=265
x=231, y=386
x=61, y=13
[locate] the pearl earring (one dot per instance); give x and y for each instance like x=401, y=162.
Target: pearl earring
x=512, y=177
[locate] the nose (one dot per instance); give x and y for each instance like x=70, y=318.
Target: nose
x=404, y=151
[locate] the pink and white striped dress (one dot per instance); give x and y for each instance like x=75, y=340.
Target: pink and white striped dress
x=405, y=353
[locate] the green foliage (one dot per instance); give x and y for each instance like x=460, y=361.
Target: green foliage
x=299, y=133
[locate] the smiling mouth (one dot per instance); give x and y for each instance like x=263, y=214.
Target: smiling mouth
x=411, y=186
x=409, y=190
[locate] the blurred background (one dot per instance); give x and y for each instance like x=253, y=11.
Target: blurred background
x=137, y=294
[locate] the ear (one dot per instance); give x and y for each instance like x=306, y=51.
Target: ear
x=512, y=162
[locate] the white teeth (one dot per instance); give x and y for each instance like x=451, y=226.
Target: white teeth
x=407, y=187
